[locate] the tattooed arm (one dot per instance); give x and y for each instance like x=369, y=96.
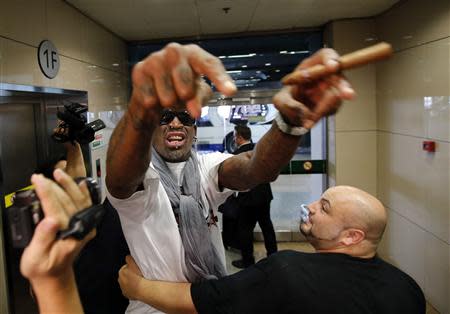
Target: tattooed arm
x=128, y=157
x=299, y=105
x=169, y=78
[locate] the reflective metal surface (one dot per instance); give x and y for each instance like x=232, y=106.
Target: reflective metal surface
x=27, y=117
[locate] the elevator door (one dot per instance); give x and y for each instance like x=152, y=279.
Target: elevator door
x=18, y=140
x=18, y=136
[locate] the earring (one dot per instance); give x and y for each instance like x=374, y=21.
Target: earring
x=195, y=139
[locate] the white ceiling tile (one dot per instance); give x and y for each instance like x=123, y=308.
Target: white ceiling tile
x=141, y=20
x=214, y=20
x=282, y=14
x=151, y=19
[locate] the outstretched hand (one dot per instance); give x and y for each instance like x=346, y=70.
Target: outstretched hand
x=171, y=78
x=306, y=103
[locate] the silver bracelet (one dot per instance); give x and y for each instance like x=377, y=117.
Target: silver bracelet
x=289, y=129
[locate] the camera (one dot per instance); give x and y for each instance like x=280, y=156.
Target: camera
x=26, y=212
x=74, y=126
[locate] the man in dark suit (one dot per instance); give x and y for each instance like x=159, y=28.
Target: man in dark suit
x=254, y=206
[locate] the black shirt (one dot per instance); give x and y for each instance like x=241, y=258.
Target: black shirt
x=97, y=267
x=295, y=282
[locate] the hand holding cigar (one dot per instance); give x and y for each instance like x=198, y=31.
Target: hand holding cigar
x=352, y=60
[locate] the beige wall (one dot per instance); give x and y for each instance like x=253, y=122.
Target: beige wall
x=376, y=141
x=352, y=132
x=88, y=53
x=92, y=59
x=413, y=105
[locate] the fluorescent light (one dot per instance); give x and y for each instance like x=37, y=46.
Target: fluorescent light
x=243, y=56
x=222, y=57
x=277, y=70
x=268, y=64
x=294, y=52
x=234, y=71
x=244, y=66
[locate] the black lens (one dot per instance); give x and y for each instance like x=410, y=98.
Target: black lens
x=183, y=116
x=167, y=117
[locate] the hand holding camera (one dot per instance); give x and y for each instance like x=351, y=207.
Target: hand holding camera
x=47, y=261
x=70, y=204
x=46, y=255
x=74, y=126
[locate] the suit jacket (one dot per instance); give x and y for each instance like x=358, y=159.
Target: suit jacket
x=259, y=195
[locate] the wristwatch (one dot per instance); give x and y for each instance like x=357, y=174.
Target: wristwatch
x=289, y=129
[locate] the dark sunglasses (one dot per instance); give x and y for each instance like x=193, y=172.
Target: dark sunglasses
x=183, y=116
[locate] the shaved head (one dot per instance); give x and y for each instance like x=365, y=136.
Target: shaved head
x=359, y=209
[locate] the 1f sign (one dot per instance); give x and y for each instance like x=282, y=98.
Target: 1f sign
x=48, y=59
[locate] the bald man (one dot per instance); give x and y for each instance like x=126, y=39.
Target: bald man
x=345, y=275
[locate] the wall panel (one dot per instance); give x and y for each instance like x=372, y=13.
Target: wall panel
x=413, y=90
x=415, y=22
x=23, y=21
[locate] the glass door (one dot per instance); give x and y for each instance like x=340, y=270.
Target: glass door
x=301, y=181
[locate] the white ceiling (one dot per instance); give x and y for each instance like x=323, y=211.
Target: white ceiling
x=136, y=20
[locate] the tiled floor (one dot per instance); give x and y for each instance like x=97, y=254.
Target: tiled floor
x=260, y=252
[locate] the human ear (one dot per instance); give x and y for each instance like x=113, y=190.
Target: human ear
x=353, y=236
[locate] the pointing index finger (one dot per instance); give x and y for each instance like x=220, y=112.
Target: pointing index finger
x=205, y=63
x=323, y=63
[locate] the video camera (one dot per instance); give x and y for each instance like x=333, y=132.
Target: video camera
x=26, y=212
x=74, y=126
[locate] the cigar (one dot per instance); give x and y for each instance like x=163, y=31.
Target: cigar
x=354, y=59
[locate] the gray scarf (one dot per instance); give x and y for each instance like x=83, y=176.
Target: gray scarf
x=202, y=258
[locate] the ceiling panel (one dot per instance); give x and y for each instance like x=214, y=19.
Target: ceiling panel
x=137, y=20
x=170, y=17
x=283, y=14
x=216, y=19
x=343, y=9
